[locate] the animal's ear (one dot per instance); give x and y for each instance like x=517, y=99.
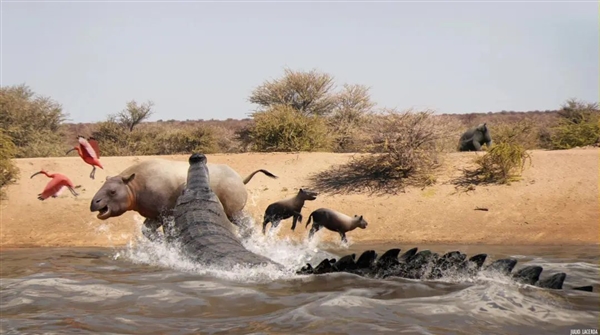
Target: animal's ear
x=107, y=178
x=360, y=218
x=355, y=215
x=126, y=180
x=301, y=190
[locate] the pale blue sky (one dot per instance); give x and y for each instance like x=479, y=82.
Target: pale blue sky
x=202, y=60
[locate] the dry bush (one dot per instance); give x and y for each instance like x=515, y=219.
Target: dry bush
x=309, y=93
x=283, y=129
x=226, y=140
x=523, y=132
x=8, y=171
x=502, y=164
x=134, y=114
x=33, y=122
x=578, y=126
x=350, y=118
x=116, y=140
x=112, y=137
x=405, y=151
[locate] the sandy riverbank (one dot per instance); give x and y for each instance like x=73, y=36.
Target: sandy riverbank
x=555, y=203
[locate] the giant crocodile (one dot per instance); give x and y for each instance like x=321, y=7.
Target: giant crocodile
x=206, y=236
x=429, y=265
x=201, y=227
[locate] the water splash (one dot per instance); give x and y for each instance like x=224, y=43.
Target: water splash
x=290, y=254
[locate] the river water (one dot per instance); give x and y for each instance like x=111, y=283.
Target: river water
x=146, y=288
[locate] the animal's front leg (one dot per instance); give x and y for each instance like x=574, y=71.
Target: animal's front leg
x=149, y=229
x=294, y=222
x=343, y=236
x=168, y=228
x=477, y=145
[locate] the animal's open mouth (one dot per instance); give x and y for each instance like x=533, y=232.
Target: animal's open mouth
x=104, y=213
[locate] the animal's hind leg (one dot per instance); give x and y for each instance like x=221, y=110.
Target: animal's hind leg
x=265, y=221
x=315, y=228
x=93, y=173
x=275, y=224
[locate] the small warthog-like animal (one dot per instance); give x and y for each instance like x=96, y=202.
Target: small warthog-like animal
x=286, y=208
x=334, y=221
x=474, y=138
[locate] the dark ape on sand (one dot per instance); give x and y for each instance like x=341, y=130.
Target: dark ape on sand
x=429, y=265
x=334, y=221
x=286, y=208
x=474, y=138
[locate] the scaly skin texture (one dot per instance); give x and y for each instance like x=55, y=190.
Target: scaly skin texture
x=428, y=265
x=201, y=226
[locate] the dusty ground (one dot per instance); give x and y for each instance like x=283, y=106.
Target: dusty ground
x=555, y=203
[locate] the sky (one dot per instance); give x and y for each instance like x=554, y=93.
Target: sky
x=201, y=60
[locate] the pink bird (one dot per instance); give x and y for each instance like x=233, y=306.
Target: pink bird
x=55, y=186
x=89, y=151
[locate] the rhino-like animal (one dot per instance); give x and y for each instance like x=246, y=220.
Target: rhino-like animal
x=151, y=188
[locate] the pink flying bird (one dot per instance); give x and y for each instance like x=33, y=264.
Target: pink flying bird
x=89, y=151
x=55, y=186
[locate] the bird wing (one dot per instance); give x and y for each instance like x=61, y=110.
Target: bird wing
x=92, y=141
x=87, y=146
x=59, y=191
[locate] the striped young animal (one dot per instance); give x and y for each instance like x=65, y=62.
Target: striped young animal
x=334, y=221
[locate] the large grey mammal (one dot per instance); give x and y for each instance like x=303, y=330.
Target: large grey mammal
x=474, y=138
x=201, y=226
x=151, y=188
x=334, y=221
x=286, y=208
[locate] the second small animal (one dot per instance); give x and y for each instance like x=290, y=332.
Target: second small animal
x=334, y=221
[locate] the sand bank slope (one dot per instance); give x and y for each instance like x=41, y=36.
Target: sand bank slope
x=555, y=203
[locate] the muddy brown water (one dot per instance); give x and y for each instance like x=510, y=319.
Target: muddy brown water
x=146, y=288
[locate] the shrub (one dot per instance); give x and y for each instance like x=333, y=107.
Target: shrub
x=112, y=137
x=309, y=93
x=404, y=151
x=350, y=118
x=408, y=143
x=33, y=122
x=8, y=171
x=523, y=132
x=502, y=163
x=578, y=125
x=284, y=129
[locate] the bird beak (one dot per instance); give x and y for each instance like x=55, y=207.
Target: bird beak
x=70, y=151
x=35, y=174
